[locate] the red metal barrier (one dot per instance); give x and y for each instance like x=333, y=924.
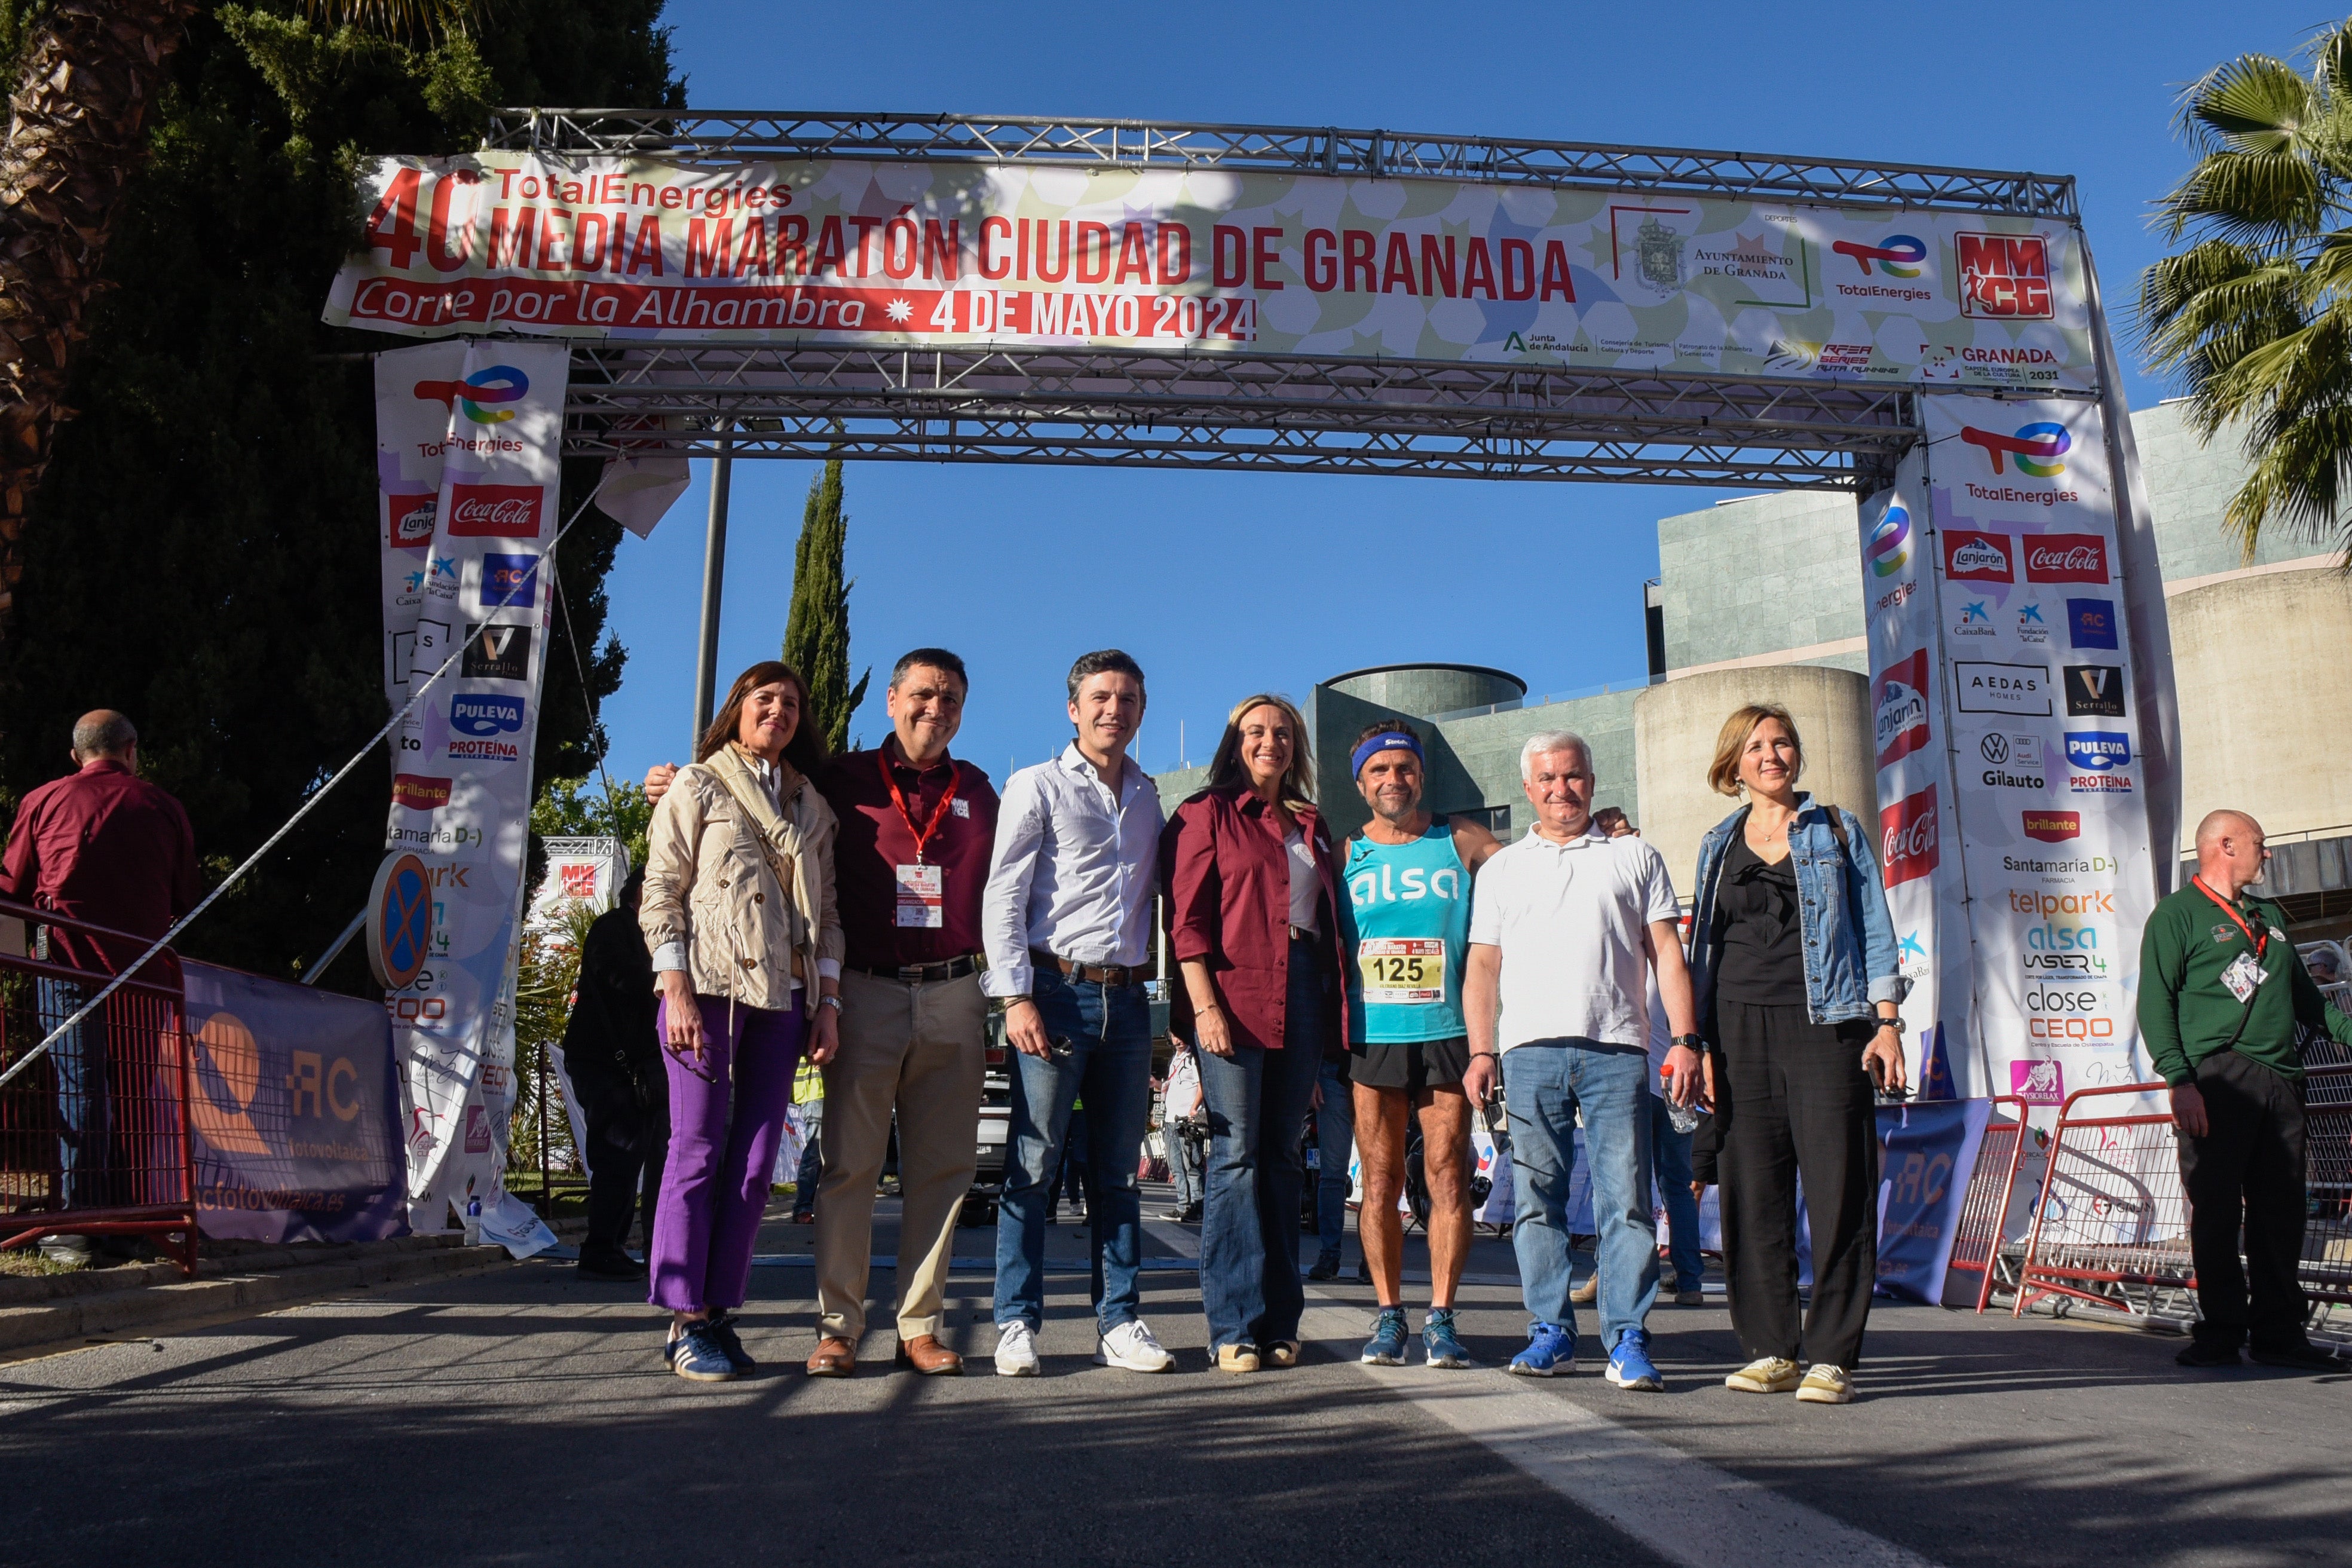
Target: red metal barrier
x=94, y=1133
x=1984, y=1211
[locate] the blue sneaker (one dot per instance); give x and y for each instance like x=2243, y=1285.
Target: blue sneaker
x=1386, y=1347
x=722, y=1328
x=698, y=1356
x=1630, y=1366
x=1438, y=1341
x=1551, y=1353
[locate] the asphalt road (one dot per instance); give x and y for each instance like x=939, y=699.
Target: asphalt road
x=522, y=1417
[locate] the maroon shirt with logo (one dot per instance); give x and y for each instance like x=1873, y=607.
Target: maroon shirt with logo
x=105, y=847
x=875, y=841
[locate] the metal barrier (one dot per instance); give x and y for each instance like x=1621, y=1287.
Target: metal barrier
x=1977, y=1244
x=94, y=1133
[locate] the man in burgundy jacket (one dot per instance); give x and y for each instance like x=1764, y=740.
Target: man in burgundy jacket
x=100, y=844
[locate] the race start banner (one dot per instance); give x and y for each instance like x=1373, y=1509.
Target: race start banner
x=842, y=251
x=467, y=449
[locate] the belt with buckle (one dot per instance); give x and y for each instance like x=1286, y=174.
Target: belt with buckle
x=1302, y=933
x=925, y=974
x=1090, y=973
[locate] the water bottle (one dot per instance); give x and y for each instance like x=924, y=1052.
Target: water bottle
x=473, y=1222
x=1681, y=1118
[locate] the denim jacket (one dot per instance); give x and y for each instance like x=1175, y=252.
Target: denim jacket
x=1851, y=960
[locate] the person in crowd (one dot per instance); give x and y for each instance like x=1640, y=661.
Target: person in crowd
x=808, y=1097
x=1333, y=1109
x=1068, y=920
x=611, y=1054
x=1178, y=1107
x=1070, y=1179
x=1409, y=877
x=1253, y=922
x=104, y=846
x=916, y=827
x=1798, y=981
x=1565, y=927
x=738, y=910
x=2220, y=994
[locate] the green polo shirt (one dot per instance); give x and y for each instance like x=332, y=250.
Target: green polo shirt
x=2186, y=1014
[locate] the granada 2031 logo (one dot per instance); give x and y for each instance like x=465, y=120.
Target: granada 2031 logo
x=1897, y=256
x=2038, y=449
x=479, y=392
x=1887, y=551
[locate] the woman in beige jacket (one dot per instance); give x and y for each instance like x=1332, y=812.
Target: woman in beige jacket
x=739, y=911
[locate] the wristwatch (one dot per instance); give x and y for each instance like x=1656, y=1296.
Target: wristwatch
x=1896, y=1023
x=832, y=1001
x=1693, y=1041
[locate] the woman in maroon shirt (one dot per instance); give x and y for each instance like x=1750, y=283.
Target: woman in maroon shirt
x=1254, y=918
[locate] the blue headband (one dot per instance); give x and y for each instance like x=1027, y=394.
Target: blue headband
x=1386, y=741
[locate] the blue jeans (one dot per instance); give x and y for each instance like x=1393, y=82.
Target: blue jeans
x=1257, y=1103
x=1335, y=1140
x=1547, y=1082
x=1670, y=1155
x=85, y=1121
x=1183, y=1170
x=1109, y=1031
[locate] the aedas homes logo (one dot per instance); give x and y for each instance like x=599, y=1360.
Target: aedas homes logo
x=479, y=392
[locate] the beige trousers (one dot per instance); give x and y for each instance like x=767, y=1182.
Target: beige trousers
x=917, y=1049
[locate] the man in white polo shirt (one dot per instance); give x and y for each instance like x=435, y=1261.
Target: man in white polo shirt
x=1566, y=926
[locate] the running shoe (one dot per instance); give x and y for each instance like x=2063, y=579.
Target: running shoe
x=1386, y=1347
x=1439, y=1343
x=1766, y=1374
x=1326, y=1267
x=2305, y=1357
x=721, y=1324
x=1825, y=1386
x=1280, y=1354
x=1130, y=1348
x=1016, y=1350
x=1551, y=1353
x=699, y=1357
x=1630, y=1366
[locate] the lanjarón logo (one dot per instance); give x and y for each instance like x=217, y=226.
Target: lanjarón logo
x=498, y=384
x=2036, y=448
x=1887, y=551
x=1897, y=256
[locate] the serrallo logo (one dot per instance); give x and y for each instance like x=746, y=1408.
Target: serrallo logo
x=2037, y=447
x=1897, y=256
x=1887, y=552
x=499, y=383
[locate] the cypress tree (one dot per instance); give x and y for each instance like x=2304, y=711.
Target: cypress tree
x=816, y=636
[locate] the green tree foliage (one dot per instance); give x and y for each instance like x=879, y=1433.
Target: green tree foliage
x=816, y=636
x=203, y=553
x=2255, y=314
x=580, y=808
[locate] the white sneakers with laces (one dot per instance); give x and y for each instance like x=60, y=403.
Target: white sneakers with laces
x=1017, y=1350
x=1131, y=1348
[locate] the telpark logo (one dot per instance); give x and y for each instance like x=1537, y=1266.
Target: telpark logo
x=1897, y=256
x=479, y=393
x=1907, y=839
x=2036, y=448
x=2004, y=276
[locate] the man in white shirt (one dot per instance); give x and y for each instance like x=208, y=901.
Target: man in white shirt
x=1566, y=926
x=1067, y=921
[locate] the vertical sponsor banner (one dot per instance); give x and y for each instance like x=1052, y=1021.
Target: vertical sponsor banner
x=1930, y=1153
x=2052, y=817
x=461, y=791
x=1917, y=841
x=411, y=435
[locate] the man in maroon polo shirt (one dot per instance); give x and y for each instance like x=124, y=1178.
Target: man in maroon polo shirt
x=916, y=828
x=100, y=844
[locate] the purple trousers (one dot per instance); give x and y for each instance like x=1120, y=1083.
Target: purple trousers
x=714, y=1189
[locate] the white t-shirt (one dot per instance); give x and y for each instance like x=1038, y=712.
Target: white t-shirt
x=1306, y=887
x=1571, y=920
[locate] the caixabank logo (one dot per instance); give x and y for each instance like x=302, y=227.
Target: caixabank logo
x=2004, y=277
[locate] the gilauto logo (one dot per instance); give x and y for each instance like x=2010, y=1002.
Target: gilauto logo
x=471, y=714
x=499, y=383
x=2036, y=448
x=1897, y=256
x=1885, y=552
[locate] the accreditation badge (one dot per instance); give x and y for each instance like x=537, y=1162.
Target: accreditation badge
x=2244, y=977
x=1401, y=972
x=922, y=897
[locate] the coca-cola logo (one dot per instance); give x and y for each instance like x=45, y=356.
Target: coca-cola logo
x=1907, y=838
x=498, y=511
x=411, y=519
x=2066, y=557
x=1973, y=556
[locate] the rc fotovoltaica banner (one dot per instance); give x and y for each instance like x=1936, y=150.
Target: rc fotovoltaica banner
x=467, y=452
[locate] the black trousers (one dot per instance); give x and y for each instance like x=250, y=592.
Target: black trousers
x=2246, y=1174
x=628, y=1143
x=1795, y=1100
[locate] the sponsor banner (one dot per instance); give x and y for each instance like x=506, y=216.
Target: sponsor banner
x=484, y=420
x=1930, y=1153
x=581, y=873
x=294, y=1111
x=842, y=251
x=412, y=434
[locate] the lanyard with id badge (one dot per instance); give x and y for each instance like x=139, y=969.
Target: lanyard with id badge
x=922, y=887
x=2244, y=973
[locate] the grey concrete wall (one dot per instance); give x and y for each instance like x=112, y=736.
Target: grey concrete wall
x=2188, y=488
x=1759, y=575
x=1419, y=691
x=1486, y=750
x=1177, y=784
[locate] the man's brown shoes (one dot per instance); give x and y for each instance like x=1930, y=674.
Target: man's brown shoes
x=835, y=1357
x=925, y=1354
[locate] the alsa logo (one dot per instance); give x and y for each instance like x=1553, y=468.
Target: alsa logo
x=495, y=511
x=1886, y=551
x=480, y=394
x=2004, y=276
x=2036, y=448
x=474, y=714
x=1897, y=256
x=1907, y=838
x=417, y=792
x=2053, y=827
x=409, y=520
x=2065, y=558
x=1899, y=696
x=1973, y=556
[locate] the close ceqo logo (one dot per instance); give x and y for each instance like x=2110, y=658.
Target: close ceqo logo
x=502, y=511
x=1907, y=838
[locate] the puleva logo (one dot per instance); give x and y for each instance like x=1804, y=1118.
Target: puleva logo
x=1887, y=551
x=2036, y=448
x=499, y=383
x=1897, y=256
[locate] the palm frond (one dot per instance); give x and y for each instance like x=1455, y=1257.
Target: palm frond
x=2267, y=197
x=2255, y=103
x=403, y=19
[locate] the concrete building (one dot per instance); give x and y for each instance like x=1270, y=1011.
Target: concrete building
x=1759, y=598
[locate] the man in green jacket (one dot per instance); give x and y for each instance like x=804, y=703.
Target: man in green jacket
x=2220, y=994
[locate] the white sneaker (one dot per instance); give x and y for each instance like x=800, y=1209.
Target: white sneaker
x=1131, y=1348
x=1017, y=1350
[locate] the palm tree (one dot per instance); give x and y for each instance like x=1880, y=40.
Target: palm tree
x=2255, y=314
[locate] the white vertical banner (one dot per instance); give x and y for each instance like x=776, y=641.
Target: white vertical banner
x=2052, y=818
x=492, y=420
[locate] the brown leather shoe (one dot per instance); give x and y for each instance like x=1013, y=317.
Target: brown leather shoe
x=925, y=1354
x=835, y=1357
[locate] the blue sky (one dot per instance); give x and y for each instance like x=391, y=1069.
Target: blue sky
x=1222, y=585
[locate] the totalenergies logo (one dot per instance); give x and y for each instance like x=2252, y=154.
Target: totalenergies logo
x=1897, y=256
x=1886, y=551
x=499, y=383
x=2036, y=448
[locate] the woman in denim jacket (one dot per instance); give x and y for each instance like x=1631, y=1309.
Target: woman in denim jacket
x=1797, y=980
